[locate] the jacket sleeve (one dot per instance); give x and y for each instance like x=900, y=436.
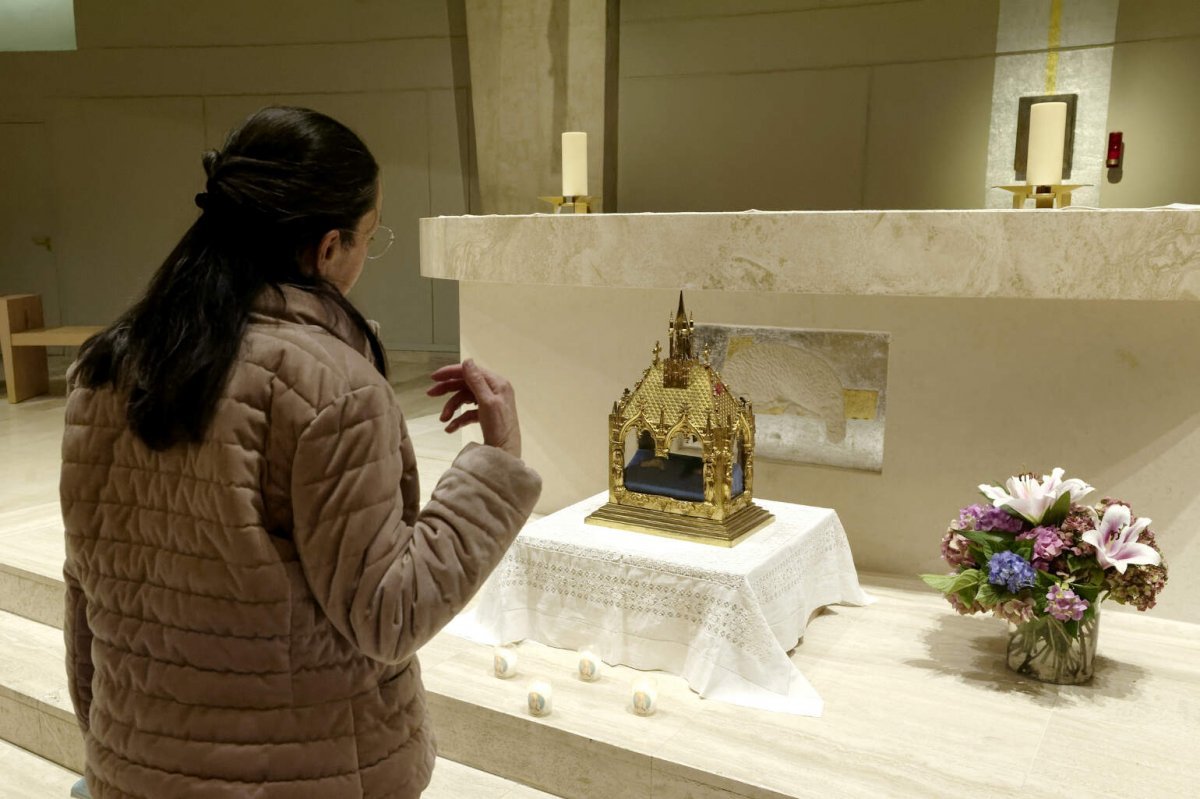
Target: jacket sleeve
x=387, y=585
x=78, y=637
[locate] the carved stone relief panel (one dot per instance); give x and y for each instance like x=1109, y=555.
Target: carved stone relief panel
x=820, y=396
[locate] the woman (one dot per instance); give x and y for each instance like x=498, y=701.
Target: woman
x=248, y=574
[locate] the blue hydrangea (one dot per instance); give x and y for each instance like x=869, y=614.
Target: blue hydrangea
x=1010, y=570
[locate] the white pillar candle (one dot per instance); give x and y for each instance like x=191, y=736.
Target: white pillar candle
x=589, y=665
x=504, y=662
x=574, y=164
x=1047, y=134
x=541, y=698
x=645, y=696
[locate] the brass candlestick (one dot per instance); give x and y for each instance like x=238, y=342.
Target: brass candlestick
x=1057, y=195
x=574, y=204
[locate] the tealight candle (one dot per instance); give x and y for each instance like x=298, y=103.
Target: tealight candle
x=645, y=696
x=541, y=698
x=504, y=662
x=589, y=665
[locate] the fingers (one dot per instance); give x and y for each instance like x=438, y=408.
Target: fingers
x=456, y=402
x=469, y=375
x=445, y=387
x=477, y=381
x=463, y=420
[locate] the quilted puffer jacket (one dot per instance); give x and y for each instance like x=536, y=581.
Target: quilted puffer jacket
x=243, y=614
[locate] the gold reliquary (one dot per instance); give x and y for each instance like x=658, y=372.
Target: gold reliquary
x=681, y=451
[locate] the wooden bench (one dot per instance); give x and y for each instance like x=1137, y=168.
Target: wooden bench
x=23, y=343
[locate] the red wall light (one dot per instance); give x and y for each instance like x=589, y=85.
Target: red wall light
x=1115, y=146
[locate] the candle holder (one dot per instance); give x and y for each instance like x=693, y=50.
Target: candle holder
x=540, y=698
x=1057, y=195
x=504, y=662
x=645, y=696
x=589, y=665
x=580, y=204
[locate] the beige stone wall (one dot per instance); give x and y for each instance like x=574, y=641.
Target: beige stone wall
x=804, y=104
x=812, y=104
x=1155, y=102
x=538, y=68
x=107, y=140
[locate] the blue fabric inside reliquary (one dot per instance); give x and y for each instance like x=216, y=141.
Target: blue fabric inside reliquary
x=678, y=476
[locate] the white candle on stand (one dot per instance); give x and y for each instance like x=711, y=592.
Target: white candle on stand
x=504, y=662
x=541, y=698
x=645, y=696
x=1047, y=134
x=589, y=665
x=574, y=164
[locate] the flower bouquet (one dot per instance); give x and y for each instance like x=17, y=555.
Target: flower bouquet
x=1038, y=559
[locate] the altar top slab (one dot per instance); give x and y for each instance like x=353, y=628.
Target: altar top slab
x=1076, y=254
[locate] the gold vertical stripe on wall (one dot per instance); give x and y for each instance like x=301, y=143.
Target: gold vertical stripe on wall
x=1053, y=37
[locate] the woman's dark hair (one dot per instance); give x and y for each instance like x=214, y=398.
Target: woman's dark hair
x=282, y=181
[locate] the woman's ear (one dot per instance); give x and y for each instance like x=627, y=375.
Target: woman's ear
x=327, y=251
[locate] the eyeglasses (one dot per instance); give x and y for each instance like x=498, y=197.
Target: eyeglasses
x=380, y=242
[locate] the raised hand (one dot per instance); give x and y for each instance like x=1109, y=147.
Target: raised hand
x=494, y=400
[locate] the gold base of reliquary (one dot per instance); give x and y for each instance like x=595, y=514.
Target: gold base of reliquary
x=723, y=533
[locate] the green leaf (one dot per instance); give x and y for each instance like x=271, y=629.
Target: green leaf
x=980, y=553
x=1024, y=549
x=987, y=595
x=967, y=578
x=992, y=540
x=939, y=582
x=968, y=595
x=1045, y=580
x=1088, y=591
x=1076, y=563
x=1058, y=511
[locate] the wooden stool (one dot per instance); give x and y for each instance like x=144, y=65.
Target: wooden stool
x=23, y=342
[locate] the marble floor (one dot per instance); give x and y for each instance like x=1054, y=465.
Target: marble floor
x=918, y=701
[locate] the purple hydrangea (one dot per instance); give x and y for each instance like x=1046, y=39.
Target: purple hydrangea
x=968, y=517
x=985, y=518
x=1048, y=544
x=1015, y=611
x=1010, y=570
x=955, y=550
x=1064, y=604
x=999, y=520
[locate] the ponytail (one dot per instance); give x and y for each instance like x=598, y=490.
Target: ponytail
x=285, y=178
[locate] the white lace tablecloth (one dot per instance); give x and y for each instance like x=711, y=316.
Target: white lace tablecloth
x=724, y=619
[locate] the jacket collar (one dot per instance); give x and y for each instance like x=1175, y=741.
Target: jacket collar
x=302, y=306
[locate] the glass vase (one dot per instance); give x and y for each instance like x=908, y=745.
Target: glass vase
x=1051, y=651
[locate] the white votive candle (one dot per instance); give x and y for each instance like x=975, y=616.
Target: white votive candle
x=504, y=662
x=574, y=164
x=589, y=665
x=645, y=696
x=1047, y=137
x=541, y=698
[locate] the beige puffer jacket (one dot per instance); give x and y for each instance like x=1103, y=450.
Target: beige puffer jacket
x=243, y=614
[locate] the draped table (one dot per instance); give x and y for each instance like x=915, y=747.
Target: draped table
x=722, y=618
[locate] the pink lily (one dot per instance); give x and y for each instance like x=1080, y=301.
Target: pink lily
x=1032, y=499
x=1116, y=540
